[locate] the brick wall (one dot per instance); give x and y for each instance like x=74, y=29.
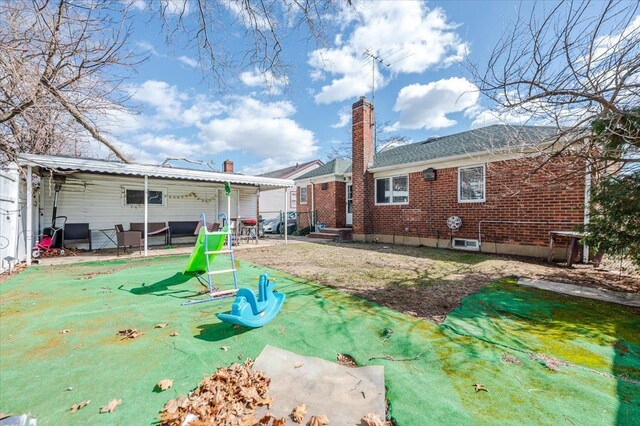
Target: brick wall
x=510, y=197
x=329, y=204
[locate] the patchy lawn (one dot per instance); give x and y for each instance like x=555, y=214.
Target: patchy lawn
x=418, y=281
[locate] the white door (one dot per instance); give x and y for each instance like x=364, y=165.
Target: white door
x=349, y=204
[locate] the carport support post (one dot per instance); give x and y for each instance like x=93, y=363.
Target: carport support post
x=285, y=220
x=29, y=231
x=146, y=214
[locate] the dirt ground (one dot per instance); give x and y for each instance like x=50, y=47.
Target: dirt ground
x=420, y=281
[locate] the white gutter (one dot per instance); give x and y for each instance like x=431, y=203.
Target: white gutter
x=29, y=231
x=146, y=215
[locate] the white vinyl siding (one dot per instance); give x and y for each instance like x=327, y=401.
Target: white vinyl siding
x=99, y=201
x=392, y=190
x=471, y=184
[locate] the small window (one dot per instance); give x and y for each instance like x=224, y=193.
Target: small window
x=392, y=190
x=293, y=196
x=135, y=197
x=303, y=195
x=471, y=184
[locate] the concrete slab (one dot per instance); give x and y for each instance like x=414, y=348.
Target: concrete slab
x=629, y=299
x=343, y=394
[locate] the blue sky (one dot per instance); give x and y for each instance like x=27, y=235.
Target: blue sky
x=425, y=91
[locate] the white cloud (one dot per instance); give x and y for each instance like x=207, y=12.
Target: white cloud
x=260, y=129
x=175, y=7
x=425, y=106
x=344, y=118
x=188, y=61
x=408, y=36
x=271, y=83
x=148, y=47
x=168, y=145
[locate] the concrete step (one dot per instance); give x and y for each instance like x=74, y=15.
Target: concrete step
x=323, y=236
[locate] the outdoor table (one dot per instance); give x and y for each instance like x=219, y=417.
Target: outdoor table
x=110, y=233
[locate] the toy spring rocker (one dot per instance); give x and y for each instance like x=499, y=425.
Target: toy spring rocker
x=251, y=312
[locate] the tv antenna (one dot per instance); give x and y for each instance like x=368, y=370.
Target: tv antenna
x=374, y=58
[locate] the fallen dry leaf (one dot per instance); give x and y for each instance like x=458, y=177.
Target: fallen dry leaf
x=131, y=333
x=229, y=396
x=164, y=384
x=174, y=333
x=480, y=387
x=279, y=422
x=65, y=331
x=225, y=348
x=161, y=325
x=298, y=413
x=372, y=419
x=297, y=365
x=111, y=406
x=76, y=407
x=318, y=421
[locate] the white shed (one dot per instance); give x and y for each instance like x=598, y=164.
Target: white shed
x=105, y=193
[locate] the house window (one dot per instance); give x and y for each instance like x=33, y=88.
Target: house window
x=292, y=199
x=134, y=197
x=392, y=190
x=303, y=195
x=471, y=184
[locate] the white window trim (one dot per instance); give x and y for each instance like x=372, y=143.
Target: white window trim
x=141, y=188
x=484, y=183
x=306, y=197
x=390, y=203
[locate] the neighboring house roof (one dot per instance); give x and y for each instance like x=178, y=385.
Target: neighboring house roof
x=337, y=166
x=496, y=137
x=290, y=171
x=117, y=168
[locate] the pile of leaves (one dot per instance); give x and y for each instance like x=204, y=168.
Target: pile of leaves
x=230, y=396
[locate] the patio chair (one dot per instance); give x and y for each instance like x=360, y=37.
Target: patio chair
x=154, y=229
x=77, y=233
x=126, y=239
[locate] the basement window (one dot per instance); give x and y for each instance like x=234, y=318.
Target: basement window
x=135, y=197
x=303, y=195
x=471, y=184
x=465, y=244
x=392, y=190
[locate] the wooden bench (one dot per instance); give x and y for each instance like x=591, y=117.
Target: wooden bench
x=154, y=229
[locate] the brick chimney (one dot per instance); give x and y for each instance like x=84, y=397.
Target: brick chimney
x=227, y=166
x=362, y=158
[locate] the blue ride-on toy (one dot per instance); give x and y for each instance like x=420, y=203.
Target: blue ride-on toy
x=251, y=312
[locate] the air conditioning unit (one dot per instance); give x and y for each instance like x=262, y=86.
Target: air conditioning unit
x=465, y=244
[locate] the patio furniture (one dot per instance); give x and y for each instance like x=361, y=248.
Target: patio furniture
x=110, y=234
x=185, y=228
x=127, y=239
x=248, y=230
x=211, y=227
x=77, y=233
x=154, y=229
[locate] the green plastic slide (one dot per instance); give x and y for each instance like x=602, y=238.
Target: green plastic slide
x=197, y=261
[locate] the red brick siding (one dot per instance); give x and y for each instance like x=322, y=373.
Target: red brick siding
x=362, y=155
x=509, y=197
x=328, y=203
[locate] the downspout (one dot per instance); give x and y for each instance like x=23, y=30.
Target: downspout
x=312, y=219
x=146, y=215
x=29, y=201
x=587, y=208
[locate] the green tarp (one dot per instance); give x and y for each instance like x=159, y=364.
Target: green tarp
x=579, y=360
